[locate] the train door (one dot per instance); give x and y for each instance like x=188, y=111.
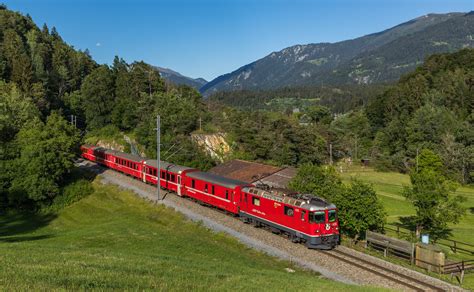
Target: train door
x=243, y=200
x=144, y=171
x=178, y=185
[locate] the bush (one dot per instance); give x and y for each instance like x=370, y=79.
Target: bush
x=70, y=194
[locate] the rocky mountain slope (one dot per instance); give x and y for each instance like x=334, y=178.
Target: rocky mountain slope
x=375, y=58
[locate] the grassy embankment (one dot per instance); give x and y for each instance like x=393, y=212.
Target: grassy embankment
x=113, y=240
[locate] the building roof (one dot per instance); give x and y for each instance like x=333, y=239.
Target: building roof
x=216, y=179
x=167, y=166
x=244, y=170
x=280, y=179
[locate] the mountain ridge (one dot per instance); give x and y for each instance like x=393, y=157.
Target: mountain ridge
x=337, y=63
x=179, y=79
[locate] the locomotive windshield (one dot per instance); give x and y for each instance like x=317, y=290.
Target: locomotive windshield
x=332, y=215
x=317, y=217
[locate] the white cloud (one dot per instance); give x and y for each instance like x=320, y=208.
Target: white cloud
x=98, y=44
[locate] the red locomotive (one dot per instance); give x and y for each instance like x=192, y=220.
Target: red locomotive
x=304, y=218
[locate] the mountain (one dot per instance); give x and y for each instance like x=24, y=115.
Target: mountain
x=375, y=58
x=177, y=78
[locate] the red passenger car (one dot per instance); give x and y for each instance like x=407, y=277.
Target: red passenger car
x=172, y=175
x=215, y=190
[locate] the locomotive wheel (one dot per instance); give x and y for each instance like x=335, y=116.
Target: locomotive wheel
x=294, y=239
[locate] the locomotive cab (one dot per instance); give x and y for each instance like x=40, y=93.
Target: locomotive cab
x=324, y=227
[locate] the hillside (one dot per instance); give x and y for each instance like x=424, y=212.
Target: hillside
x=178, y=79
x=374, y=58
x=113, y=240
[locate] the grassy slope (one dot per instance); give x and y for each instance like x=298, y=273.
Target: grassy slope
x=389, y=187
x=111, y=239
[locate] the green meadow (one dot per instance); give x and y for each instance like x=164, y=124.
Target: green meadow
x=113, y=240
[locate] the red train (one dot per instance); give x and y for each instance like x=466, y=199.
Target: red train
x=303, y=218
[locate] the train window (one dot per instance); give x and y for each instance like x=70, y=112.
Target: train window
x=205, y=188
x=212, y=190
x=289, y=211
x=332, y=216
x=227, y=194
x=317, y=217
x=256, y=201
x=173, y=178
x=193, y=184
x=303, y=214
x=179, y=180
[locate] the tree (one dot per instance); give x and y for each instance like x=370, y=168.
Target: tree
x=321, y=181
x=432, y=196
x=98, y=97
x=46, y=153
x=359, y=209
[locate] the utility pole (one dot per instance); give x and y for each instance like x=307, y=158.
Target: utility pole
x=75, y=121
x=72, y=119
x=330, y=153
x=200, y=124
x=158, y=133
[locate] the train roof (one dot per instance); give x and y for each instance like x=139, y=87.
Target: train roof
x=123, y=155
x=304, y=201
x=167, y=166
x=217, y=179
x=116, y=153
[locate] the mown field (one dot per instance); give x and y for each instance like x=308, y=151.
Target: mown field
x=114, y=240
x=389, y=187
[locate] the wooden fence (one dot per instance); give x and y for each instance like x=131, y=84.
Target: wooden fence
x=454, y=245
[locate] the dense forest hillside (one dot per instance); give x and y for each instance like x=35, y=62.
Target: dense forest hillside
x=376, y=58
x=429, y=108
x=45, y=81
x=338, y=99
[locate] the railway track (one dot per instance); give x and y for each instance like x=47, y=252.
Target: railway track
x=353, y=260
x=381, y=271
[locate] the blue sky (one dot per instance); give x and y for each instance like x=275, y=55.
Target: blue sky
x=210, y=37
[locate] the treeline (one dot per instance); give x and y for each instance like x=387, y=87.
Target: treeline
x=339, y=99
